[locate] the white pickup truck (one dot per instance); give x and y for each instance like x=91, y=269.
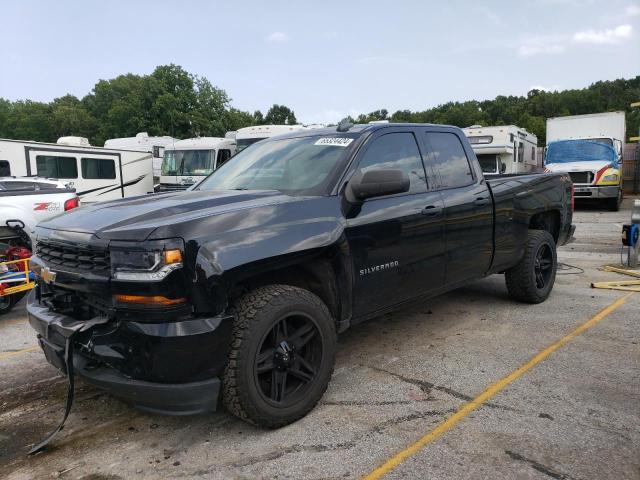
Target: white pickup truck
x=30, y=200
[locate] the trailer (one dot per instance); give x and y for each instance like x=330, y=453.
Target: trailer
x=249, y=135
x=142, y=142
x=503, y=149
x=96, y=173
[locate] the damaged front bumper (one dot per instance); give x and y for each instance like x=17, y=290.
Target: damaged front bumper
x=169, y=368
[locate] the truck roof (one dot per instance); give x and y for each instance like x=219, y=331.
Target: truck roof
x=358, y=128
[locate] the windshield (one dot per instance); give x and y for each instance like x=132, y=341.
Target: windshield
x=296, y=166
x=243, y=143
x=605, y=141
x=567, y=151
x=188, y=162
x=488, y=163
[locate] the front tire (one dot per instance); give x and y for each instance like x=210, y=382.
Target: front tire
x=613, y=204
x=282, y=355
x=532, y=279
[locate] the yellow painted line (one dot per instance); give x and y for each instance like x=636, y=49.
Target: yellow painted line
x=18, y=352
x=491, y=391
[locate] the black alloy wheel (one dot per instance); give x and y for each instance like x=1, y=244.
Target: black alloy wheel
x=543, y=266
x=288, y=359
x=281, y=357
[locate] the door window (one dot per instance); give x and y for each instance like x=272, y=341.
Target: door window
x=5, y=168
x=98, y=168
x=449, y=160
x=223, y=156
x=49, y=166
x=396, y=151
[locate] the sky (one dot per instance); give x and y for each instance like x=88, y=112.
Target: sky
x=325, y=60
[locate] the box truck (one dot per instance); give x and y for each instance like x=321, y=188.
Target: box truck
x=589, y=148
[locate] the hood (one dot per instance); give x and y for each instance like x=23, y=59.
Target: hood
x=584, y=166
x=136, y=218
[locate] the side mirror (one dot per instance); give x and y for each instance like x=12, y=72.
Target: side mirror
x=503, y=167
x=377, y=183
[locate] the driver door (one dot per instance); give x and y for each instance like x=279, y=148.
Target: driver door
x=397, y=241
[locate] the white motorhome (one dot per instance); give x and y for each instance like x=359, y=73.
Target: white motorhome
x=142, y=142
x=97, y=173
x=589, y=149
x=504, y=149
x=188, y=161
x=249, y=135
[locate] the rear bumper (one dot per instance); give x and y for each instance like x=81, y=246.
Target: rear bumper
x=587, y=191
x=174, y=368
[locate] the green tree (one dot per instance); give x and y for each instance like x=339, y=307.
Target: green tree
x=280, y=115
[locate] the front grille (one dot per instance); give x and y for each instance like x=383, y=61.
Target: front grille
x=174, y=187
x=74, y=257
x=581, y=177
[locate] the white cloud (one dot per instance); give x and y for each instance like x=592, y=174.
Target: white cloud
x=277, y=37
x=543, y=45
x=632, y=10
x=604, y=37
x=556, y=44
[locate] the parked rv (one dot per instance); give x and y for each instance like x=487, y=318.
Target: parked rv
x=188, y=161
x=96, y=173
x=142, y=142
x=249, y=135
x=504, y=149
x=589, y=148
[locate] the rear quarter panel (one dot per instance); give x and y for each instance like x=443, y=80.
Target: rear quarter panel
x=517, y=199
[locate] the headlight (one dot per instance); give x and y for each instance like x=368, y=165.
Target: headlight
x=610, y=178
x=145, y=261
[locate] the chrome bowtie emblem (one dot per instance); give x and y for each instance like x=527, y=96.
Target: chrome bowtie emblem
x=48, y=275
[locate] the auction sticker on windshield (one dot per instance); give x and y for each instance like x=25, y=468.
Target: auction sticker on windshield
x=334, y=141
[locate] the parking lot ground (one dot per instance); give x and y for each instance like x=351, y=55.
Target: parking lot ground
x=573, y=415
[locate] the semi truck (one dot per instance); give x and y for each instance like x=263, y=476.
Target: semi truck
x=589, y=148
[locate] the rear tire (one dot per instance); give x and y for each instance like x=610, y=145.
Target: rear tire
x=282, y=355
x=532, y=279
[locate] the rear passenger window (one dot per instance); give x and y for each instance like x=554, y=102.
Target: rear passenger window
x=49, y=166
x=5, y=168
x=450, y=161
x=396, y=151
x=98, y=168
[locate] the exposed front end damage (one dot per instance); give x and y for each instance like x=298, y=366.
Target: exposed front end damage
x=162, y=360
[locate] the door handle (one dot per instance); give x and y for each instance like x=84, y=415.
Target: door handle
x=480, y=201
x=432, y=211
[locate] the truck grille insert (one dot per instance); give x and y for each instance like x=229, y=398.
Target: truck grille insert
x=174, y=187
x=581, y=177
x=74, y=257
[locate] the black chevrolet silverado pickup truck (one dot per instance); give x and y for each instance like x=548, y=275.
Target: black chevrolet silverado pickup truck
x=237, y=288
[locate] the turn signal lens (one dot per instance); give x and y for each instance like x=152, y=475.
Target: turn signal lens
x=172, y=256
x=149, y=300
x=71, y=203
